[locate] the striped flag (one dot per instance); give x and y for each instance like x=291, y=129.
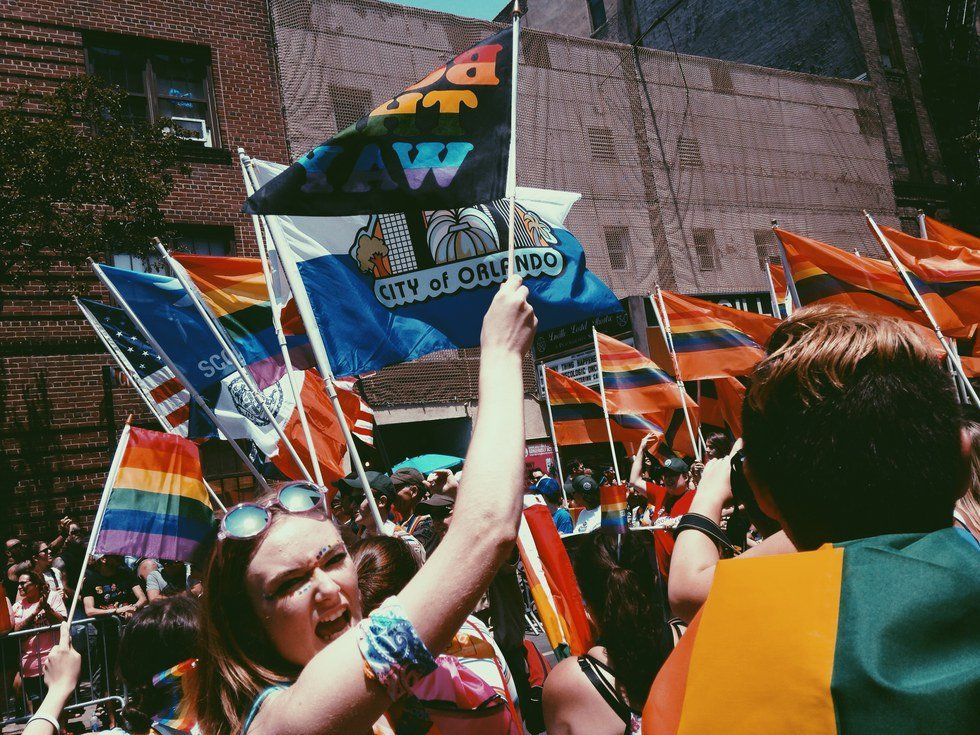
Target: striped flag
x=634, y=383
x=142, y=362
x=952, y=271
x=875, y=636
x=825, y=274
x=236, y=292
x=613, y=515
x=714, y=341
x=360, y=417
x=578, y=418
x=941, y=232
x=676, y=439
x=552, y=581
x=721, y=405
x=778, y=277
x=158, y=506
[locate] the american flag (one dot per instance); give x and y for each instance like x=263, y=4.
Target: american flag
x=362, y=421
x=142, y=363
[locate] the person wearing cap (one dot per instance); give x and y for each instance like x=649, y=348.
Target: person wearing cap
x=440, y=509
x=385, y=497
x=410, y=488
x=585, y=490
x=548, y=488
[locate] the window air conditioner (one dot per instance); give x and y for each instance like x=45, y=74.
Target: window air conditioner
x=195, y=127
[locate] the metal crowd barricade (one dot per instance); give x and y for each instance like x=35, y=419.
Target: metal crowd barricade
x=96, y=639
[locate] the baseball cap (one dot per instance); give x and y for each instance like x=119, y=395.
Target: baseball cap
x=435, y=501
x=676, y=465
x=585, y=485
x=407, y=476
x=547, y=486
x=380, y=484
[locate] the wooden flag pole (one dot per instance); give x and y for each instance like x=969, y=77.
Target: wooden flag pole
x=260, y=236
x=554, y=437
x=605, y=407
x=953, y=357
x=305, y=308
x=110, y=480
x=137, y=382
x=515, y=14
x=794, y=301
x=177, y=373
x=232, y=353
x=664, y=321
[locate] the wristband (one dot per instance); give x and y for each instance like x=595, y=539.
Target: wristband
x=50, y=720
x=698, y=522
x=392, y=651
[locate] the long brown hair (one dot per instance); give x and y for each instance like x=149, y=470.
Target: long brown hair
x=969, y=505
x=385, y=565
x=237, y=658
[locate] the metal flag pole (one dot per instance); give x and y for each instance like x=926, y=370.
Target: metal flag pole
x=668, y=336
x=305, y=308
x=110, y=480
x=515, y=14
x=923, y=231
x=772, y=293
x=922, y=305
x=136, y=382
x=198, y=399
x=232, y=353
x=243, y=161
x=554, y=437
x=794, y=301
x=605, y=407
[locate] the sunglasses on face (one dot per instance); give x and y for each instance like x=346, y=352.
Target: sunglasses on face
x=43, y=552
x=248, y=520
x=24, y=585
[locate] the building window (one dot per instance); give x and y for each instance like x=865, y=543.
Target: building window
x=226, y=474
x=597, y=13
x=162, y=81
x=350, y=104
x=689, y=153
x=763, y=248
x=191, y=239
x=721, y=78
x=704, y=248
x=910, y=137
x=601, y=144
x=884, y=19
x=618, y=247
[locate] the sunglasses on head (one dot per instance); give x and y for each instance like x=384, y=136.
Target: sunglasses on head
x=248, y=520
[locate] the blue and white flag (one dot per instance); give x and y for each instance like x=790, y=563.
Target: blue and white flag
x=167, y=313
x=388, y=288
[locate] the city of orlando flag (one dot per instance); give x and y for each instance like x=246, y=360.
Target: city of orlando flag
x=441, y=143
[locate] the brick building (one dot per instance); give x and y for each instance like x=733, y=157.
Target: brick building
x=860, y=39
x=209, y=64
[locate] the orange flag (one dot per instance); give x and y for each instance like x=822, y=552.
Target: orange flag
x=942, y=232
x=633, y=382
x=714, y=341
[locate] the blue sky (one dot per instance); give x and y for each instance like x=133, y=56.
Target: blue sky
x=485, y=9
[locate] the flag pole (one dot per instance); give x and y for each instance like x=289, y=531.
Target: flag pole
x=605, y=407
x=110, y=480
x=232, y=353
x=772, y=293
x=515, y=15
x=243, y=161
x=305, y=309
x=668, y=336
x=794, y=301
x=554, y=437
x=923, y=231
x=922, y=305
x=177, y=373
x=136, y=381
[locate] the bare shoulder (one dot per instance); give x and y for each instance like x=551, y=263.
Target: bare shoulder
x=572, y=706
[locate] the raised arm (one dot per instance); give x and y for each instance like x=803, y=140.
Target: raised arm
x=332, y=694
x=637, y=469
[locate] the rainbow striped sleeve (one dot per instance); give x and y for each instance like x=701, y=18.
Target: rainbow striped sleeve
x=875, y=636
x=158, y=505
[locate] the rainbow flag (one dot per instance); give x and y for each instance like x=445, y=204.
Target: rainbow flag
x=633, y=383
x=177, y=715
x=552, y=581
x=614, y=516
x=676, y=439
x=721, y=405
x=825, y=274
x=714, y=341
x=941, y=232
x=875, y=636
x=158, y=505
x=578, y=418
x=952, y=271
x=778, y=278
x=235, y=290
